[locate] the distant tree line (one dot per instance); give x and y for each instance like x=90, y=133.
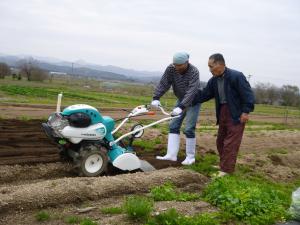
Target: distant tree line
x=4, y=70
x=286, y=95
x=27, y=68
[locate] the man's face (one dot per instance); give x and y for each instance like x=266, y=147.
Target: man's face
x=180, y=68
x=216, y=68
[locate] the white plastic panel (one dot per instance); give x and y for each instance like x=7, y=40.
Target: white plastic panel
x=93, y=132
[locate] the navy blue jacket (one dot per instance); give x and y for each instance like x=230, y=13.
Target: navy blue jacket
x=239, y=96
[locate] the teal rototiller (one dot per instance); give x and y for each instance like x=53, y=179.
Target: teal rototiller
x=87, y=138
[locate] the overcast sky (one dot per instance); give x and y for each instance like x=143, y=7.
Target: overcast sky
x=257, y=37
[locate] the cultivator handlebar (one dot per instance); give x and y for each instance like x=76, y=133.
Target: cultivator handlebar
x=141, y=110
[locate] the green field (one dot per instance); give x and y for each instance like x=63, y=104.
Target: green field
x=103, y=94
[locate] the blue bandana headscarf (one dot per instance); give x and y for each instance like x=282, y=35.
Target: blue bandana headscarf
x=180, y=58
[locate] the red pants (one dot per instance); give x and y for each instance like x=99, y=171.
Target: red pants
x=229, y=140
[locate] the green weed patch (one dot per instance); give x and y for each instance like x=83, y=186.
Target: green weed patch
x=249, y=201
x=205, y=164
x=42, y=216
x=138, y=207
x=112, y=210
x=172, y=217
x=167, y=192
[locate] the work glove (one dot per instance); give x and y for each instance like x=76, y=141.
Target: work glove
x=177, y=111
x=155, y=103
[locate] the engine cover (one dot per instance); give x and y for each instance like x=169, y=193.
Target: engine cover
x=79, y=119
x=83, y=112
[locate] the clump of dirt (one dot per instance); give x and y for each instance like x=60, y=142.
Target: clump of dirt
x=276, y=160
x=278, y=167
x=16, y=174
x=290, y=160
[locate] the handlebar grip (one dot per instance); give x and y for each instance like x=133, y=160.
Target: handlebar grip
x=151, y=113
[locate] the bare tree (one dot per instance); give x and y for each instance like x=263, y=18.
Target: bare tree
x=31, y=71
x=260, y=93
x=290, y=95
x=267, y=94
x=273, y=94
x=37, y=74
x=4, y=70
x=26, y=67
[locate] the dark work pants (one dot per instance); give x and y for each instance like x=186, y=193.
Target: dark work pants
x=229, y=140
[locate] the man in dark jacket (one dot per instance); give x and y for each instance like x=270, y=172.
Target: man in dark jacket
x=234, y=101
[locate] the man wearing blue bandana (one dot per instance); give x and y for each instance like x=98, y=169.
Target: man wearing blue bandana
x=184, y=79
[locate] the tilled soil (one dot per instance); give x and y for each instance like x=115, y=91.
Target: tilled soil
x=32, y=176
x=25, y=142
x=78, y=189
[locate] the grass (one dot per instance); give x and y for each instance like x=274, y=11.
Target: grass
x=42, y=216
x=119, y=95
x=278, y=151
x=252, y=126
x=205, y=164
x=172, y=217
x=167, y=192
x=69, y=94
x=124, y=95
x=276, y=110
x=148, y=145
x=88, y=221
x=112, y=210
x=138, y=207
x=72, y=219
x=268, y=126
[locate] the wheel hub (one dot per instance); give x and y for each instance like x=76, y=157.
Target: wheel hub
x=93, y=163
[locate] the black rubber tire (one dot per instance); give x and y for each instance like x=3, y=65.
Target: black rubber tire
x=64, y=156
x=84, y=154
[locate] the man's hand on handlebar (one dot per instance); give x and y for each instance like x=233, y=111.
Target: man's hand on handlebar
x=176, y=111
x=155, y=103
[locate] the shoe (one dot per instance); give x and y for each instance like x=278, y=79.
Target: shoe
x=190, y=149
x=173, y=148
x=188, y=161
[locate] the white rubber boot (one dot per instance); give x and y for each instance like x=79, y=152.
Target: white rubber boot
x=173, y=148
x=190, y=146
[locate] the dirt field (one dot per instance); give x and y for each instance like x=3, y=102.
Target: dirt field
x=32, y=177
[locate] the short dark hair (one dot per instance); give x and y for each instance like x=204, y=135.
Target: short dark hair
x=217, y=57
